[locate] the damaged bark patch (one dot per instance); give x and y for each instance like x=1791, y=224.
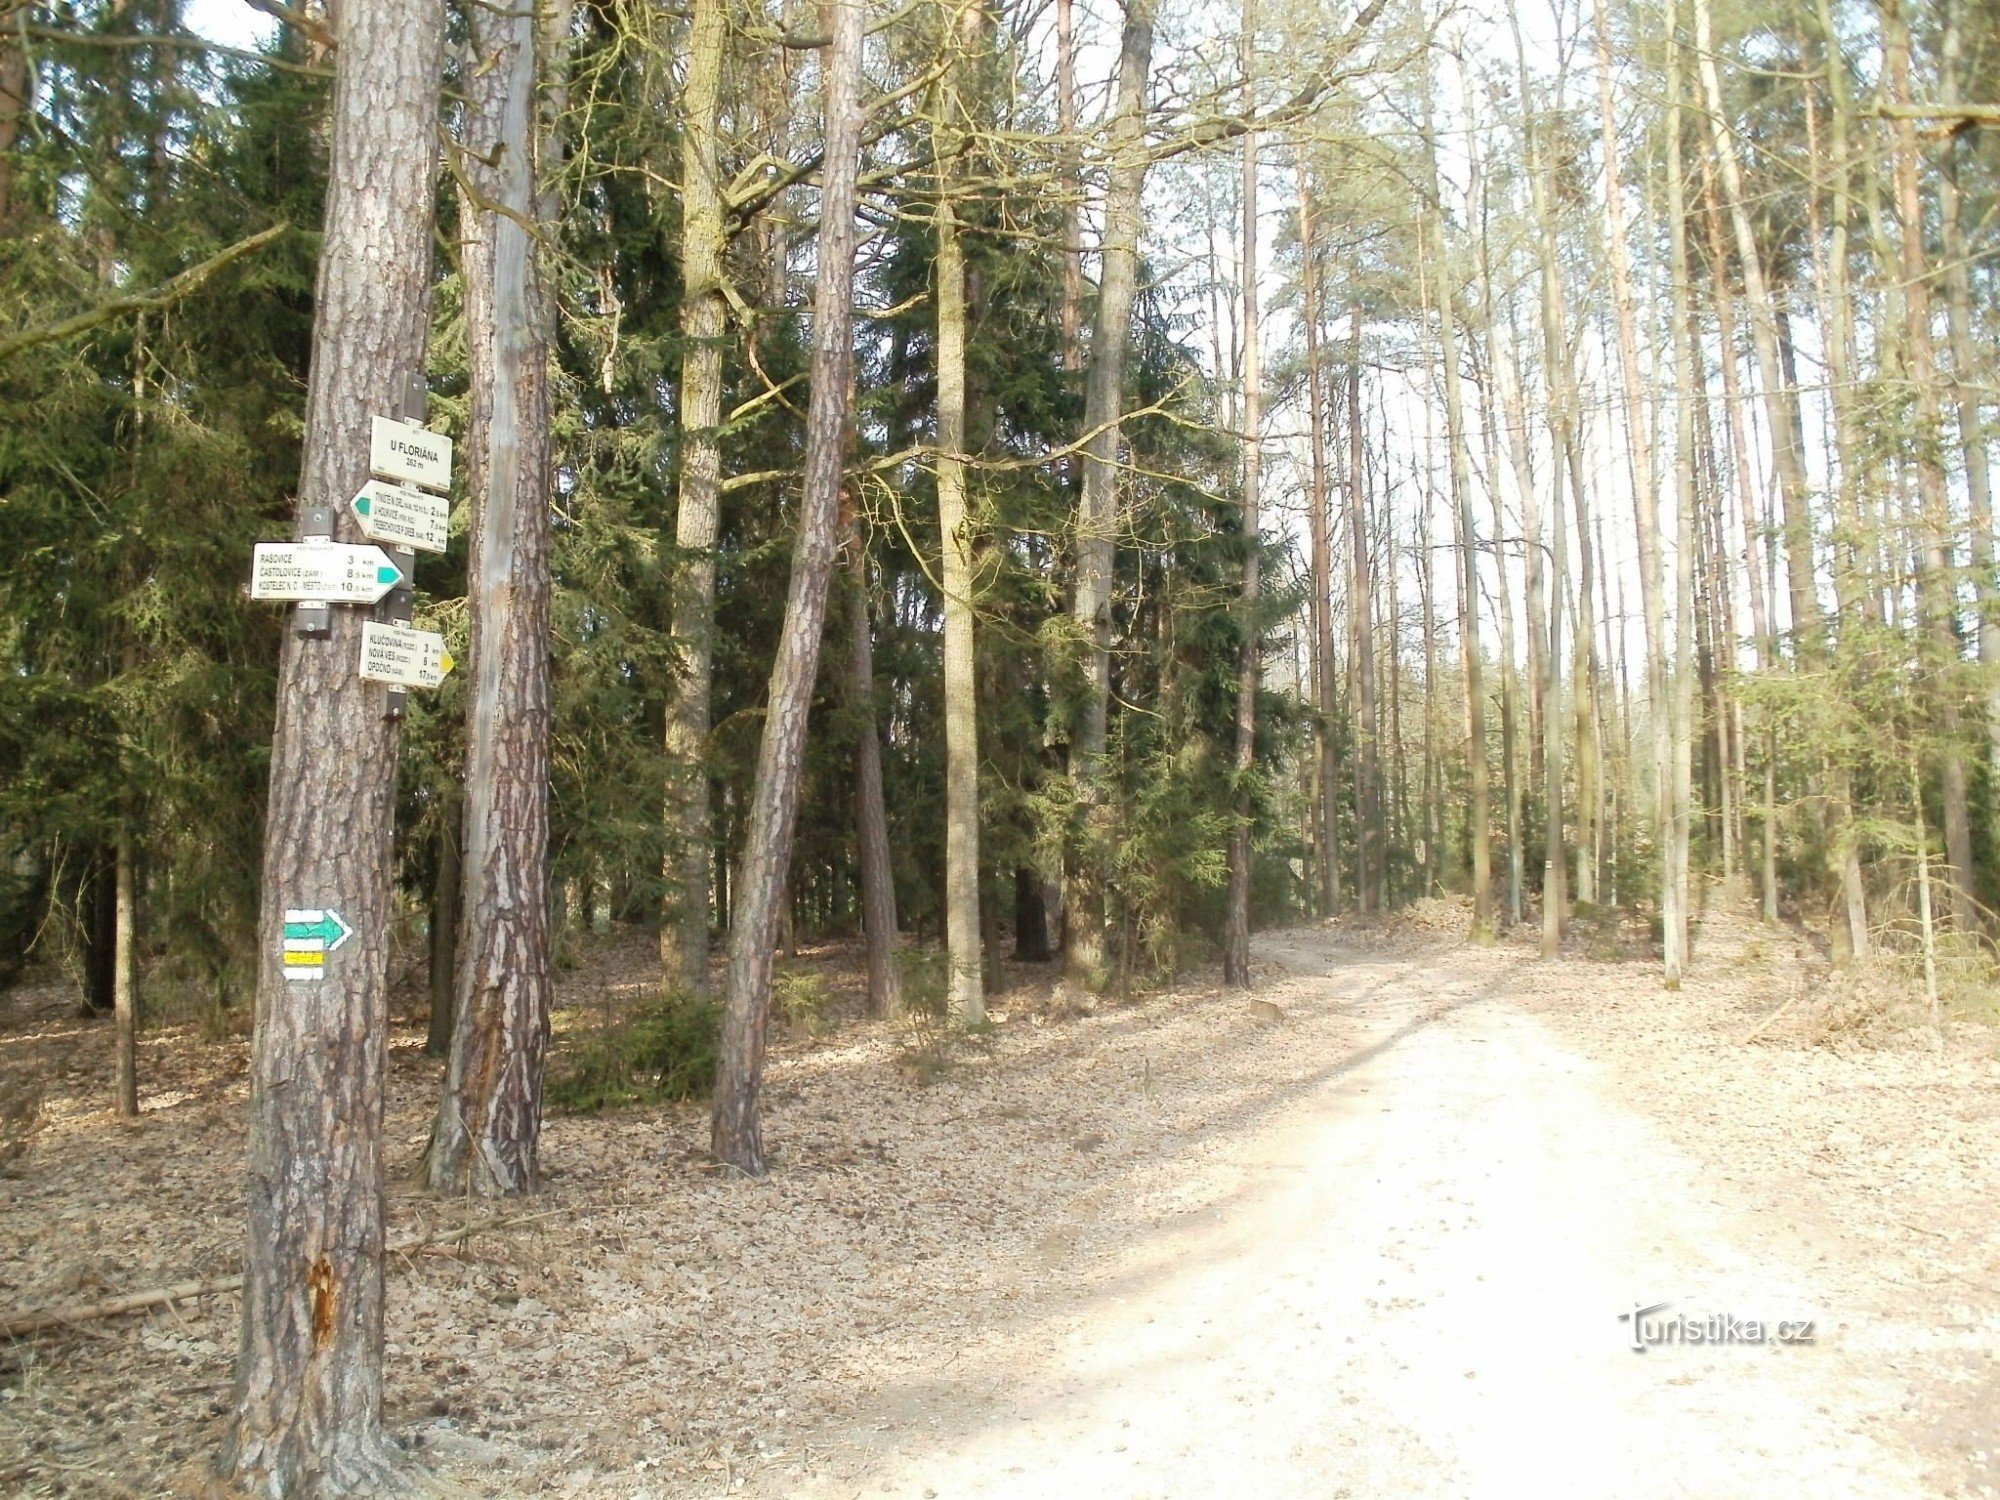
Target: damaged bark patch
x=319, y=1281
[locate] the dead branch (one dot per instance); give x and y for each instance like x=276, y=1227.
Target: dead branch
x=22, y=1325
x=164, y=295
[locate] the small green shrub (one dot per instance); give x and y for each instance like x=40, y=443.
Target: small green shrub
x=926, y=982
x=800, y=997
x=665, y=1050
x=924, y=1027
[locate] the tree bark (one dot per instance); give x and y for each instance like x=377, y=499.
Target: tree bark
x=1072, y=218
x=1327, y=791
x=1479, y=812
x=1779, y=398
x=1370, y=865
x=1557, y=375
x=1674, y=890
x=878, y=881
x=125, y=972
x=486, y=1139
x=446, y=889
x=1096, y=524
x=1236, y=939
x=1489, y=424
x=97, y=922
x=307, y=1416
x=704, y=314
x=736, y=1134
x=14, y=103
x=1939, y=592
x=961, y=664
x=1953, y=204
x=1638, y=428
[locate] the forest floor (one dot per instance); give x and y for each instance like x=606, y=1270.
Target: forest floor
x=1372, y=1242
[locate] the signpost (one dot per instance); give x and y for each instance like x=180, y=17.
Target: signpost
x=322, y=571
x=317, y=572
x=402, y=450
x=311, y=932
x=402, y=516
x=403, y=657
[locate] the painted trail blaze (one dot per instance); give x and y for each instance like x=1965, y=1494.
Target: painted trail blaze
x=310, y=934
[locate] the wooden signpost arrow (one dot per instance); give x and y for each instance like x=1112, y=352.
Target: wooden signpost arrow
x=403, y=657
x=332, y=572
x=402, y=516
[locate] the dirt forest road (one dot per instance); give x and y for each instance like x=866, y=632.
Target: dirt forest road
x=1374, y=1242
x=1407, y=1281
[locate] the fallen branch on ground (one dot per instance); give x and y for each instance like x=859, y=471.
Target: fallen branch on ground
x=22, y=1324
x=1772, y=1019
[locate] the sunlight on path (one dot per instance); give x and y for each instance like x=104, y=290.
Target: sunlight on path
x=1416, y=1293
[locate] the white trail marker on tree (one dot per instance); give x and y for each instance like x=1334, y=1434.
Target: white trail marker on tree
x=402, y=516
x=405, y=451
x=403, y=657
x=334, y=572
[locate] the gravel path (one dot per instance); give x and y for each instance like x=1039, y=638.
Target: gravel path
x=1408, y=1282
x=1365, y=1232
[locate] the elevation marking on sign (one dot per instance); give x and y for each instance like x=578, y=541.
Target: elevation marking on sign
x=405, y=451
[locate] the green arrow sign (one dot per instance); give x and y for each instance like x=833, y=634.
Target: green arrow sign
x=314, y=923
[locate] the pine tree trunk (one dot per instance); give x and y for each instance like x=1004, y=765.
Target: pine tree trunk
x=1397, y=834
x=486, y=1140
x=1427, y=610
x=1638, y=428
x=1370, y=871
x=97, y=920
x=1674, y=886
x=446, y=889
x=125, y=971
x=1965, y=374
x=1780, y=400
x=1939, y=591
x=1589, y=763
x=1096, y=526
x=1558, y=375
x=736, y=1134
x=1489, y=425
x=13, y=102
x=1072, y=218
x=704, y=316
x=878, y=881
x=1236, y=942
x=961, y=667
x=1326, y=792
x=1762, y=610
x=307, y=1410
x=1479, y=813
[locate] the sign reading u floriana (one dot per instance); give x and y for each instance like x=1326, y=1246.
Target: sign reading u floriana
x=408, y=453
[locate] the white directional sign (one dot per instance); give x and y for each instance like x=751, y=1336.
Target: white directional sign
x=329, y=572
x=403, y=517
x=402, y=450
x=403, y=657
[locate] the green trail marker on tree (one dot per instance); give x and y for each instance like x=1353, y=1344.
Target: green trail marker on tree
x=311, y=933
